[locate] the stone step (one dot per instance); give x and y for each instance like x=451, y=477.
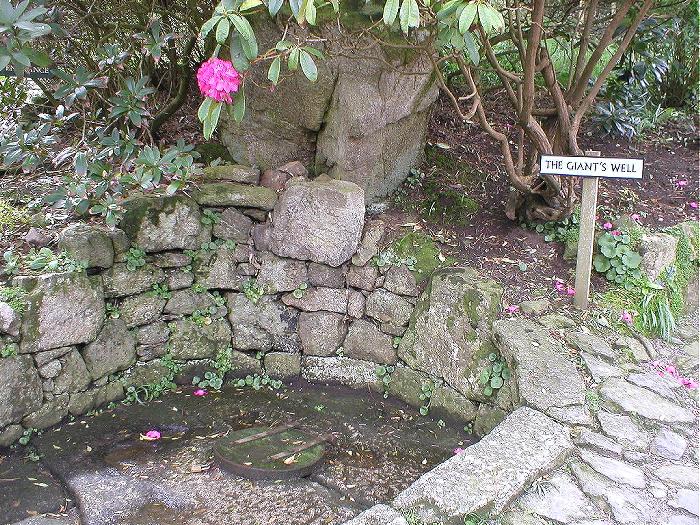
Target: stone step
x=492, y=473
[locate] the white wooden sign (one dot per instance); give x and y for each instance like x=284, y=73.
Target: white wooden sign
x=592, y=167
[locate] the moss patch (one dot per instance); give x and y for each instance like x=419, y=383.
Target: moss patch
x=423, y=252
x=11, y=217
x=210, y=151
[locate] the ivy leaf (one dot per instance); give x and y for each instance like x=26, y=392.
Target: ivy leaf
x=391, y=9
x=308, y=66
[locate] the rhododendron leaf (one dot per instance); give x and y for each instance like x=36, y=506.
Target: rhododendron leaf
x=209, y=25
x=248, y=41
x=204, y=108
x=472, y=48
x=313, y=51
x=448, y=8
x=295, y=5
x=222, y=30
x=466, y=19
x=293, y=60
x=308, y=66
x=238, y=56
x=273, y=6
x=409, y=15
x=239, y=106
x=249, y=4
x=273, y=74
x=212, y=119
x=391, y=10
x=283, y=45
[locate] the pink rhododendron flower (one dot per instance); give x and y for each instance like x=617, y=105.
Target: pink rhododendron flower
x=682, y=183
x=616, y=233
x=626, y=317
x=607, y=226
x=217, y=79
x=458, y=450
x=513, y=308
x=151, y=435
x=693, y=205
x=200, y=392
x=570, y=291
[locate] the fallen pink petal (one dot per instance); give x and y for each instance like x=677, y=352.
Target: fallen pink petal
x=607, y=226
x=693, y=205
x=151, y=435
x=200, y=392
x=458, y=450
x=570, y=291
x=513, y=309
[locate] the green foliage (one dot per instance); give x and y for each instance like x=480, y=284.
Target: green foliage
x=144, y=393
x=566, y=230
x=617, y=260
x=253, y=291
x=298, y=292
x=476, y=519
x=160, y=290
x=14, y=296
x=11, y=217
x=210, y=217
x=384, y=372
x=9, y=350
x=426, y=393
x=593, y=401
x=417, y=251
x=210, y=380
x=494, y=376
x=135, y=259
x=113, y=311
x=27, y=436
x=257, y=381
x=43, y=260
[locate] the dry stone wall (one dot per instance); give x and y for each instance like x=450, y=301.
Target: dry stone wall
x=279, y=279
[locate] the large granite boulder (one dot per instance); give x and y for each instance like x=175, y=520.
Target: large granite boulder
x=62, y=309
x=318, y=221
x=21, y=389
x=157, y=224
x=449, y=334
x=658, y=253
x=364, y=120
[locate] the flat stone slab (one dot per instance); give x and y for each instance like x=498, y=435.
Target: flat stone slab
x=643, y=402
x=119, y=479
x=379, y=515
x=491, y=473
x=545, y=377
x=27, y=489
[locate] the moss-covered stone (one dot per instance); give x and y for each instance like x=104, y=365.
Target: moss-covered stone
x=232, y=173
x=449, y=334
x=234, y=194
x=188, y=340
x=423, y=252
x=162, y=223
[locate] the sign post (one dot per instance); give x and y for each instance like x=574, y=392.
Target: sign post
x=591, y=168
